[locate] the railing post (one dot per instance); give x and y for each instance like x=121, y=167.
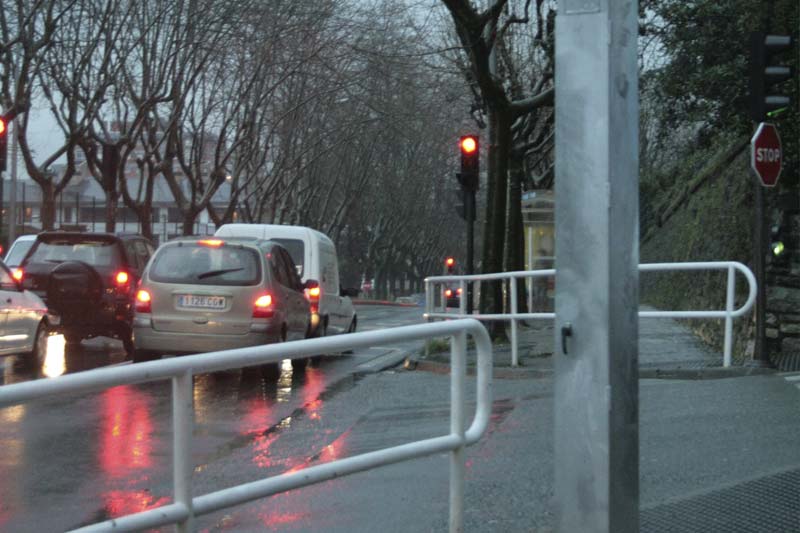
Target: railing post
x=428, y=310
x=729, y=301
x=514, y=339
x=463, y=299
x=183, y=425
x=458, y=356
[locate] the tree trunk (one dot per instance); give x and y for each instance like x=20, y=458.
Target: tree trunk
x=48, y=209
x=495, y=227
x=189, y=218
x=515, y=239
x=112, y=203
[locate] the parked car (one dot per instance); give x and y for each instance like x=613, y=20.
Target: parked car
x=25, y=323
x=315, y=256
x=19, y=249
x=452, y=296
x=200, y=295
x=88, y=280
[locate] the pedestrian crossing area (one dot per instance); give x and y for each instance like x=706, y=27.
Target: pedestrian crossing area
x=793, y=378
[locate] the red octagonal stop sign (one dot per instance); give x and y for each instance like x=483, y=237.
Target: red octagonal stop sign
x=766, y=155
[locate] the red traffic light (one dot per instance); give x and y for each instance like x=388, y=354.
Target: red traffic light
x=468, y=144
x=449, y=261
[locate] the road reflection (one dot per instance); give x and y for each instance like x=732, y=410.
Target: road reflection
x=55, y=363
x=126, y=450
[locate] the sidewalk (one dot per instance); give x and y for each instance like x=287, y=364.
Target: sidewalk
x=667, y=349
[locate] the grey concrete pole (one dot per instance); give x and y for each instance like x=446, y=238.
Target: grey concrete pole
x=597, y=235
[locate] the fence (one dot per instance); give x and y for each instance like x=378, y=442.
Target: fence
x=728, y=314
x=180, y=370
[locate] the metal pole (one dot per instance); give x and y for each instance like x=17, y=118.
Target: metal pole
x=94, y=207
x=760, y=355
x=514, y=337
x=726, y=356
x=469, y=214
x=182, y=413
x=458, y=353
x=12, y=206
x=77, y=207
x=597, y=228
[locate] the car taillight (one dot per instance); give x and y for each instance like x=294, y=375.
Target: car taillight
x=143, y=301
x=121, y=278
x=262, y=308
x=448, y=292
x=213, y=243
x=17, y=273
x=458, y=291
x=312, y=295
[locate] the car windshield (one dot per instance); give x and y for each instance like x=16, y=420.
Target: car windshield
x=96, y=253
x=17, y=252
x=196, y=264
x=296, y=249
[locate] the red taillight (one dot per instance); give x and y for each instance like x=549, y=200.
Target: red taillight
x=458, y=291
x=262, y=308
x=143, y=301
x=448, y=292
x=17, y=274
x=121, y=278
x=214, y=243
x=313, y=294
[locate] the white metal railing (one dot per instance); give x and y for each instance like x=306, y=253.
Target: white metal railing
x=728, y=314
x=180, y=370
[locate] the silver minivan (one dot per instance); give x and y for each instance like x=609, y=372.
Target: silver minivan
x=202, y=295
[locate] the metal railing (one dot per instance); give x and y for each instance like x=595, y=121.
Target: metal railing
x=728, y=314
x=180, y=370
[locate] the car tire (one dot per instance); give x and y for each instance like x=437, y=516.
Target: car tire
x=125, y=334
x=272, y=371
x=39, y=352
x=142, y=356
x=72, y=339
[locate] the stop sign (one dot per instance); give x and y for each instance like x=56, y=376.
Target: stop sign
x=766, y=156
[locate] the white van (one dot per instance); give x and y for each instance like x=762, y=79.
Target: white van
x=315, y=256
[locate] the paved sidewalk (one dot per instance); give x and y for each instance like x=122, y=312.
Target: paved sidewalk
x=667, y=349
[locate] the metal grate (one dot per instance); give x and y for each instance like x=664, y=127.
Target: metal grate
x=766, y=505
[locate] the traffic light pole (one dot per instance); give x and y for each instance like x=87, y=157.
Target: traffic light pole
x=760, y=355
x=469, y=214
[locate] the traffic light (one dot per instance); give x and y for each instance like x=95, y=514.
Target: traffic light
x=776, y=244
x=450, y=263
x=470, y=162
x=763, y=103
x=3, y=143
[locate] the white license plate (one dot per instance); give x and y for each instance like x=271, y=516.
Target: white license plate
x=193, y=301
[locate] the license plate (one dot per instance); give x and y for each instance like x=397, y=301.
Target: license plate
x=193, y=301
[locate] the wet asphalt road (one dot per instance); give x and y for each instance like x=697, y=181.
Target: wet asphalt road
x=72, y=461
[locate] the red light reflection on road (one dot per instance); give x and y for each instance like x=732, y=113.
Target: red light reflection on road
x=126, y=432
x=125, y=502
x=273, y=521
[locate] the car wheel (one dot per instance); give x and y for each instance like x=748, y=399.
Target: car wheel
x=39, y=351
x=72, y=338
x=141, y=356
x=125, y=334
x=272, y=371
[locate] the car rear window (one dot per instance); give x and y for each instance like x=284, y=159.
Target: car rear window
x=96, y=253
x=194, y=264
x=296, y=249
x=18, y=251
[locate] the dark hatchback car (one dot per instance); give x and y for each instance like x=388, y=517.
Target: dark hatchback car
x=88, y=280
